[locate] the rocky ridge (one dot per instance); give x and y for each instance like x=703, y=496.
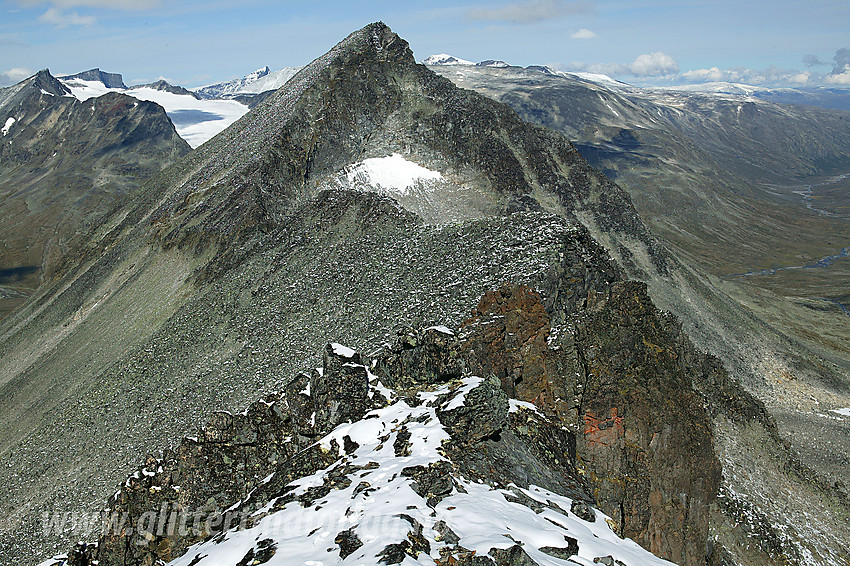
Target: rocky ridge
x=459, y=452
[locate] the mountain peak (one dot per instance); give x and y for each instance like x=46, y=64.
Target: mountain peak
x=258, y=74
x=49, y=84
x=110, y=80
x=445, y=59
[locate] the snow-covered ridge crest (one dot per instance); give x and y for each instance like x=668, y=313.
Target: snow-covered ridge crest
x=389, y=483
x=380, y=500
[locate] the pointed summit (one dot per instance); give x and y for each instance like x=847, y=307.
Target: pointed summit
x=259, y=73
x=367, y=98
x=49, y=84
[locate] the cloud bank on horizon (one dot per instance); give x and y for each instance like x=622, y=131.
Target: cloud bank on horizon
x=770, y=43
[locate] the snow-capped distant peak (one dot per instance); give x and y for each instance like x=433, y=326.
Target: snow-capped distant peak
x=492, y=63
x=256, y=82
x=258, y=74
x=717, y=88
x=445, y=59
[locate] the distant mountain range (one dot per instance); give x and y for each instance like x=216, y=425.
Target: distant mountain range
x=261, y=80
x=824, y=97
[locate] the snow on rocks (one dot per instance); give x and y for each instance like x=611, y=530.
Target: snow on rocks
x=424, y=471
x=442, y=329
x=516, y=406
x=392, y=498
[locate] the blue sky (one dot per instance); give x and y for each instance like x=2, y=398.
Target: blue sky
x=191, y=43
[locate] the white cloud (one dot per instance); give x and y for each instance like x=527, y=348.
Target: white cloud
x=583, y=33
x=838, y=79
x=13, y=76
x=61, y=19
x=647, y=65
x=113, y=4
x=653, y=65
x=766, y=77
x=528, y=11
x=712, y=75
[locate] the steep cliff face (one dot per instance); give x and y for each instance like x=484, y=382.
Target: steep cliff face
x=64, y=165
x=613, y=374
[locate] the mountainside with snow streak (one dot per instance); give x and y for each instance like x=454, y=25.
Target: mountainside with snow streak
x=196, y=120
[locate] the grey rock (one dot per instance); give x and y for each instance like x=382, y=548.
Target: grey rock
x=483, y=414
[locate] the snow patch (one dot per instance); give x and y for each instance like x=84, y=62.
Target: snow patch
x=845, y=412
x=441, y=329
x=343, y=351
x=469, y=383
x=9, y=122
x=516, y=406
x=392, y=173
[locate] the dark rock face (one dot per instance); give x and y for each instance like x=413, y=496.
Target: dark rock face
x=111, y=80
x=340, y=390
x=420, y=356
x=483, y=414
x=643, y=437
x=638, y=398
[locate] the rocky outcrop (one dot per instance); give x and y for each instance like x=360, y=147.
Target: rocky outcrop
x=614, y=374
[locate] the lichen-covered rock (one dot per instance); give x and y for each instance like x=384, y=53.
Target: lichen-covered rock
x=430, y=355
x=513, y=556
x=340, y=391
x=482, y=413
x=617, y=374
